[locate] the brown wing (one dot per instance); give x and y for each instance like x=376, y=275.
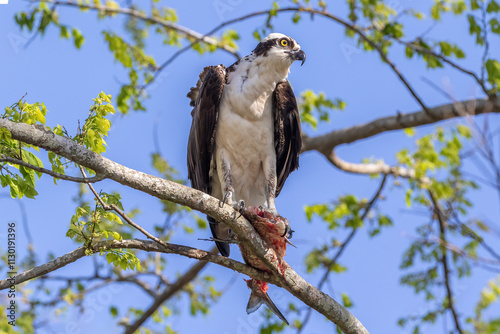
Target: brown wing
x=205, y=98
x=287, y=140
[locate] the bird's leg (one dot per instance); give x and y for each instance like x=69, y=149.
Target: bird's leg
x=224, y=173
x=288, y=232
x=270, y=188
x=240, y=207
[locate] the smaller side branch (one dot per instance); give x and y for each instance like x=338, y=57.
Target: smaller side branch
x=151, y=19
x=122, y=214
x=373, y=168
x=145, y=245
x=168, y=293
x=343, y=247
x=97, y=178
x=444, y=260
x=141, y=284
x=420, y=49
x=171, y=290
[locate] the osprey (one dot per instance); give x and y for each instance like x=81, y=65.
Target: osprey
x=245, y=133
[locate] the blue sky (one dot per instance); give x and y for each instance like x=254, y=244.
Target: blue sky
x=53, y=71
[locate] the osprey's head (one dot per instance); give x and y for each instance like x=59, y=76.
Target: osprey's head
x=281, y=48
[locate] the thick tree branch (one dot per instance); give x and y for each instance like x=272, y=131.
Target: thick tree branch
x=189, y=33
x=97, y=178
x=327, y=142
x=171, y=191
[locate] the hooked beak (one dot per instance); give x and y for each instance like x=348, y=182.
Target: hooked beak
x=298, y=55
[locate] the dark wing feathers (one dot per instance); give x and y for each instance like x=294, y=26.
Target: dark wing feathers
x=287, y=139
x=205, y=98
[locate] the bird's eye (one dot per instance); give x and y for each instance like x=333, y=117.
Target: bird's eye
x=284, y=42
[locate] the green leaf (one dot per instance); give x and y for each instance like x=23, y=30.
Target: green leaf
x=493, y=69
x=346, y=301
x=64, y=33
x=475, y=29
x=410, y=132
x=495, y=26
x=464, y=131
x=409, y=52
x=296, y=18
x=114, y=311
x=493, y=7
x=5, y=134
x=77, y=37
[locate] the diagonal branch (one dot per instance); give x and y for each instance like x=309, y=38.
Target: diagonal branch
x=97, y=178
x=343, y=247
x=178, y=193
x=168, y=293
x=444, y=260
x=142, y=284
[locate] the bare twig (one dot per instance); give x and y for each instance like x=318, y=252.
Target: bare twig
x=444, y=260
x=485, y=38
x=97, y=178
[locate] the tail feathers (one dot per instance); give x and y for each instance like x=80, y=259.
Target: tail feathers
x=257, y=298
x=223, y=247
